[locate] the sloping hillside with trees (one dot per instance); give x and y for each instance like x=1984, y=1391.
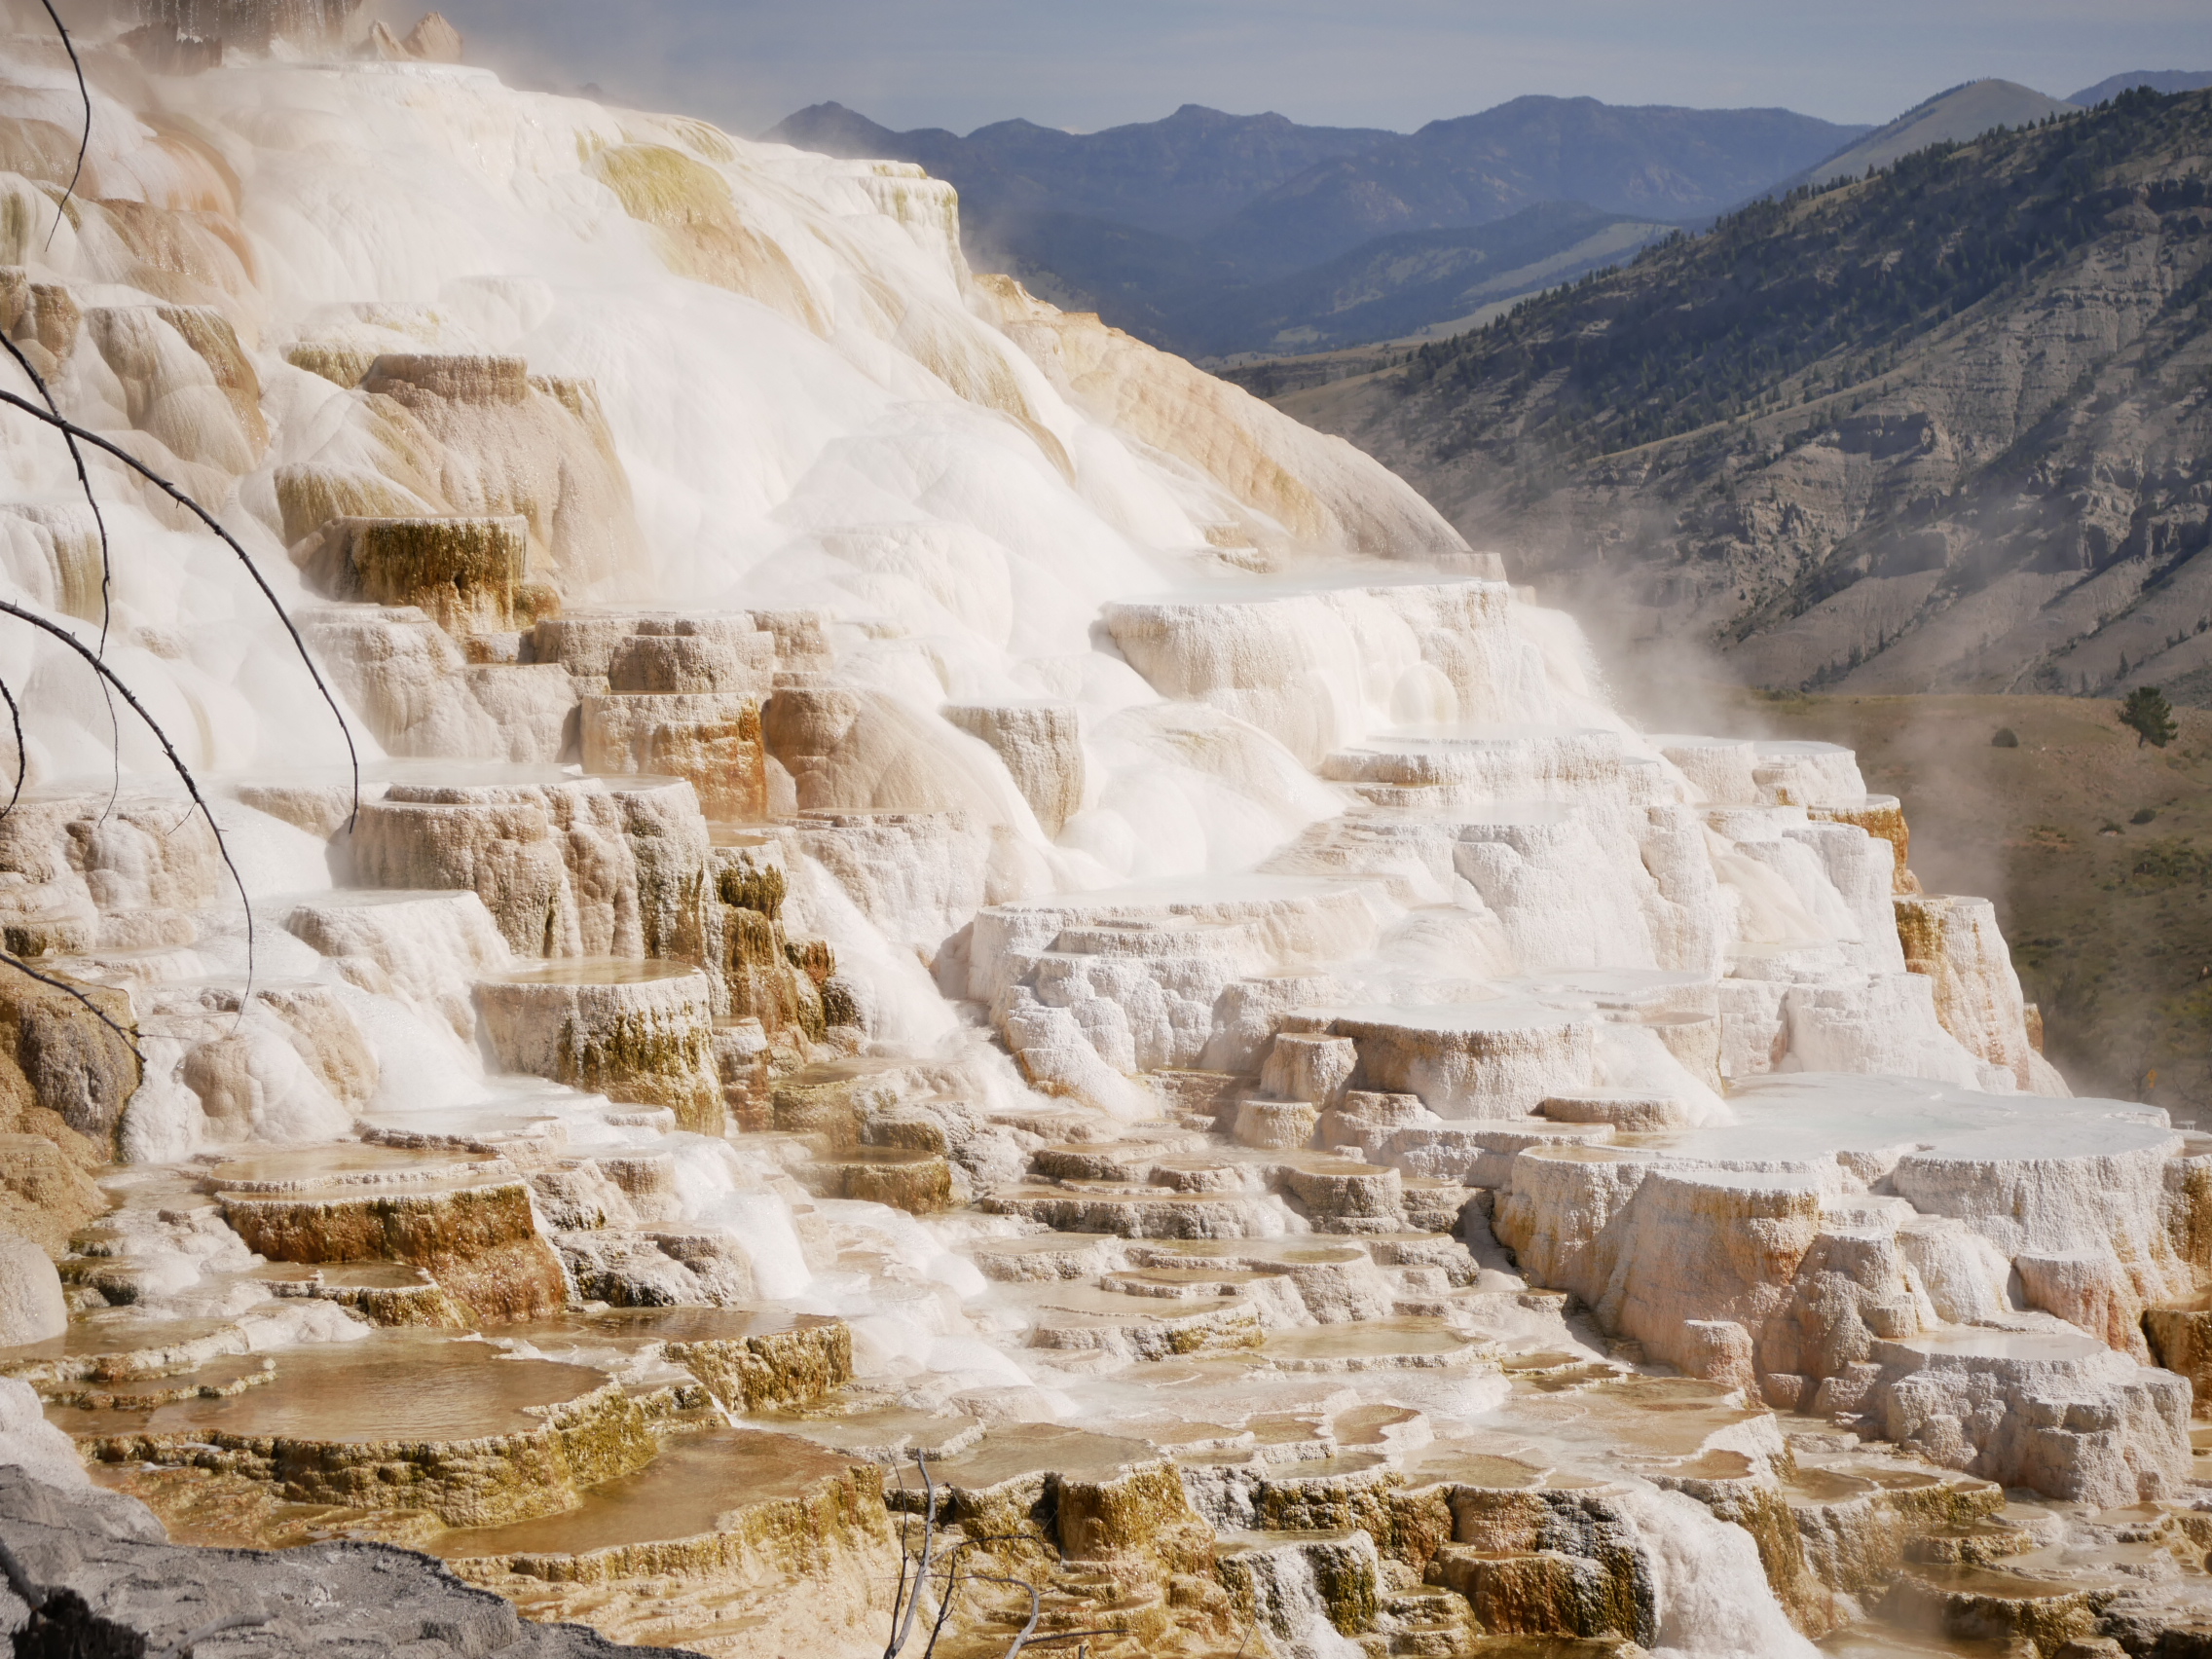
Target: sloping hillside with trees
x=1946, y=426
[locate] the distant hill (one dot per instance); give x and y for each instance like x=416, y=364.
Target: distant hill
x=1653, y=162
x=1964, y=112
x=2157, y=80
x=1945, y=428
x=1412, y=284
x=1177, y=176
x=1214, y=235
x=1136, y=279
x=1179, y=295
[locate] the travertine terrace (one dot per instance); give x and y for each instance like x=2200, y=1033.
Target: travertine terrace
x=935, y=891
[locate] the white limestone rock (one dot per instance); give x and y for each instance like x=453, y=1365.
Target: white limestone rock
x=1475, y=1062
x=633, y=1030
x=567, y=868
x=1956, y=944
x=2085, y=1182
x=31, y=1304
x=710, y=739
x=2050, y=1409
x=949, y=597
x=428, y=949
x=1318, y=670
x=1041, y=745
x=1316, y=1069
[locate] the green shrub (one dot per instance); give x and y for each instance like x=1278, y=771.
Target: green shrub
x=2150, y=716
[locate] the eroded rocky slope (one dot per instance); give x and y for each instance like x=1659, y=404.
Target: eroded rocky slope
x=1942, y=429
x=957, y=944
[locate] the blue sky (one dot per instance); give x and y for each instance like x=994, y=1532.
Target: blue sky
x=1083, y=65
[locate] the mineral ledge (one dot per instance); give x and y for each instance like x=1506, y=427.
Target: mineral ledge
x=936, y=892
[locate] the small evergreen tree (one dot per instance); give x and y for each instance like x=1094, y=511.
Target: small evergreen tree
x=2150, y=716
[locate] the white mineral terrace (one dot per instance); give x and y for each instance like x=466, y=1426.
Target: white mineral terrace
x=927, y=879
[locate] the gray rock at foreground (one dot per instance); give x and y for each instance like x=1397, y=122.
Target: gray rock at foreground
x=112, y=1585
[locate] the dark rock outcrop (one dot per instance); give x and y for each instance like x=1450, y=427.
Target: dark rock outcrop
x=92, y=1576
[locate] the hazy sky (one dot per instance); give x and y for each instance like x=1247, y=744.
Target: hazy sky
x=1088, y=63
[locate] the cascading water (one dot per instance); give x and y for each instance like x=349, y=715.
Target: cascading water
x=1280, y=1595
x=1708, y=1589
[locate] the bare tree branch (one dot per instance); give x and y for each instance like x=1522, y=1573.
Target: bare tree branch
x=23, y=759
x=176, y=761
x=83, y=478
x=76, y=454
x=905, y=1559
x=99, y=521
x=84, y=140
x=902, y=1621
x=944, y=1602
x=208, y=519
x=99, y=1013
x=952, y=1582
x=1035, y=1609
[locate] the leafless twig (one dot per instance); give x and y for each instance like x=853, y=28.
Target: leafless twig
x=208, y=519
x=83, y=143
x=906, y=1605
x=99, y=1013
x=944, y=1602
x=902, y=1618
x=906, y=1561
x=1035, y=1609
x=100, y=521
x=84, y=139
x=176, y=761
x=952, y=1582
x=22, y=757
x=84, y=479
x=76, y=437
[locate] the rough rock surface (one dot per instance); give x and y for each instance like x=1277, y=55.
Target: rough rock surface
x=1190, y=1017
x=106, y=1580
x=102, y=1577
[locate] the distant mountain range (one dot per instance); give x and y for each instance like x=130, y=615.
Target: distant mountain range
x=1415, y=282
x=1214, y=233
x=1653, y=161
x=1176, y=177
x=1232, y=237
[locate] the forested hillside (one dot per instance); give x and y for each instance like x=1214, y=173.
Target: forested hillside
x=1949, y=426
